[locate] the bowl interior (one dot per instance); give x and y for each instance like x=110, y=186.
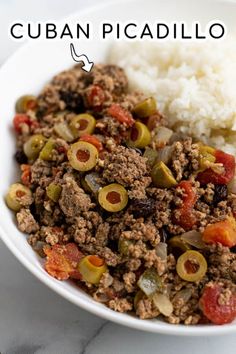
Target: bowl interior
x=29, y=69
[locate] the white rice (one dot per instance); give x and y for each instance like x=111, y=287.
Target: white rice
x=193, y=83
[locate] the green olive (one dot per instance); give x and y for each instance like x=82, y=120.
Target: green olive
x=46, y=153
x=82, y=156
x=162, y=176
x=145, y=108
x=151, y=156
x=17, y=196
x=177, y=246
x=92, y=268
x=82, y=124
x=113, y=197
x=25, y=103
x=191, y=266
x=139, y=136
x=33, y=146
x=64, y=132
x=53, y=192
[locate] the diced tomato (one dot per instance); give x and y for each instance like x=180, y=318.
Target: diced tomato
x=62, y=261
x=223, y=232
x=209, y=176
x=217, y=311
x=185, y=216
x=26, y=175
x=92, y=140
x=120, y=114
x=95, y=97
x=189, y=198
x=19, y=120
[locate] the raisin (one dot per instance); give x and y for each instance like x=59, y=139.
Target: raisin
x=112, y=244
x=143, y=207
x=164, y=234
x=221, y=193
x=20, y=157
x=233, y=249
x=138, y=151
x=73, y=100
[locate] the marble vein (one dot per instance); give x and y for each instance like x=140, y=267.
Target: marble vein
x=95, y=335
x=23, y=349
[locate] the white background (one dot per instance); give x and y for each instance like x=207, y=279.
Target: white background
x=33, y=319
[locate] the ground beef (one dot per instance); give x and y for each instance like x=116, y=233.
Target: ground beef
x=73, y=199
x=146, y=309
x=138, y=188
x=185, y=157
x=128, y=242
x=112, y=128
x=39, y=171
x=124, y=166
x=222, y=263
x=26, y=221
x=120, y=305
x=110, y=78
x=130, y=281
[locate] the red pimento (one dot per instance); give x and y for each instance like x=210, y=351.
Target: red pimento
x=61, y=149
x=223, y=232
x=218, y=304
x=92, y=140
x=121, y=114
x=184, y=216
x=210, y=176
x=26, y=175
x=62, y=261
x=96, y=97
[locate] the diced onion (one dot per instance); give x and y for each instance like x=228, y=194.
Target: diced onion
x=161, y=250
x=183, y=295
x=165, y=154
x=63, y=130
x=193, y=238
x=177, y=136
x=162, y=136
x=91, y=181
x=163, y=304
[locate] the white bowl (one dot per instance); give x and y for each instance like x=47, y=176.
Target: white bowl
x=27, y=71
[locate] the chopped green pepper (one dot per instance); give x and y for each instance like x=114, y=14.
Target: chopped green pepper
x=150, y=282
x=53, y=192
x=151, y=156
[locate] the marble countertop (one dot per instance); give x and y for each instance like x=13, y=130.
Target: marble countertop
x=35, y=320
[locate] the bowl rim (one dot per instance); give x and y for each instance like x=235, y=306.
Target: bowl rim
x=116, y=317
